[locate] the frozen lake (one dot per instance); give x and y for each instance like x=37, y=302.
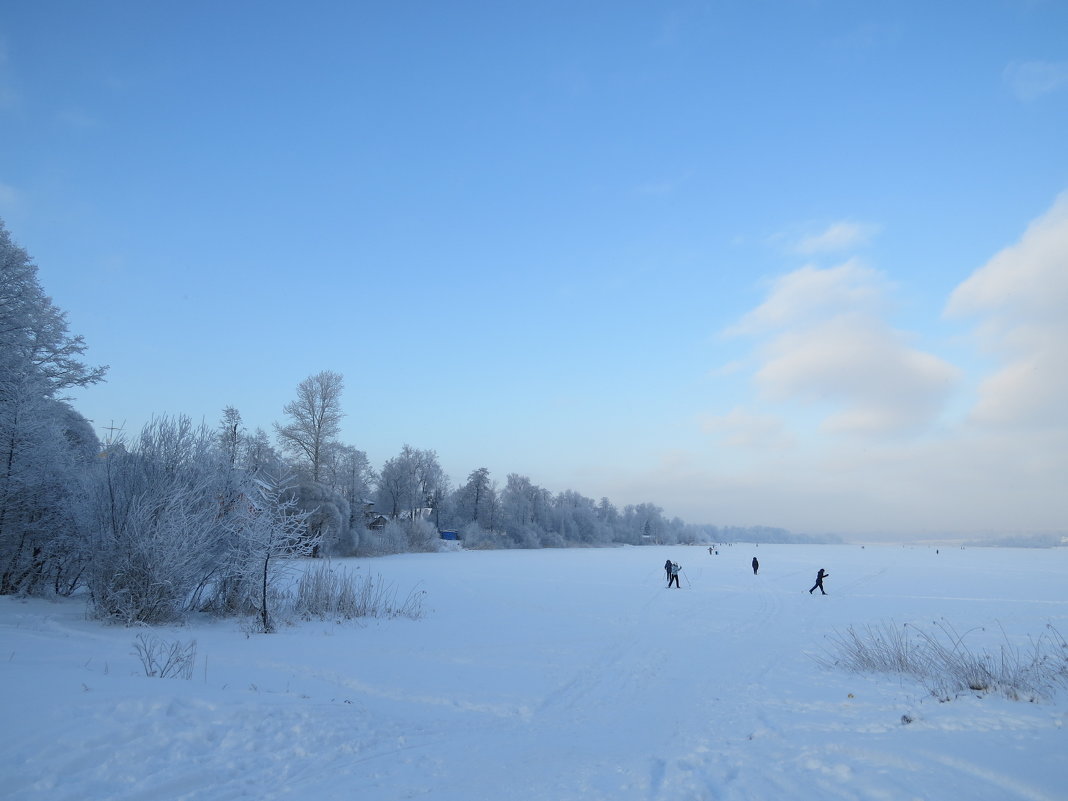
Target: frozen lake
x=554, y=675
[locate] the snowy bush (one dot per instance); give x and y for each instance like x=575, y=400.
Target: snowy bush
x=474, y=537
x=173, y=530
x=946, y=666
x=157, y=527
x=401, y=535
x=167, y=660
x=422, y=536
x=393, y=538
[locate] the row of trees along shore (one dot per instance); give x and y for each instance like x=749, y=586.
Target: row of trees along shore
x=187, y=517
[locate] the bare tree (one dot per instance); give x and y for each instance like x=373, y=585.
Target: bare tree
x=314, y=420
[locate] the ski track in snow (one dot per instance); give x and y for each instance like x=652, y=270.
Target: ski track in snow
x=547, y=676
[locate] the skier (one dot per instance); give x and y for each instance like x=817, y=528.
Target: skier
x=673, y=576
x=756, y=565
x=819, y=581
x=667, y=569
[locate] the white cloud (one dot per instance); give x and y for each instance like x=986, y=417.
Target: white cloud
x=1028, y=279
x=829, y=345
x=858, y=364
x=1030, y=80
x=1021, y=298
x=837, y=237
x=826, y=363
x=811, y=294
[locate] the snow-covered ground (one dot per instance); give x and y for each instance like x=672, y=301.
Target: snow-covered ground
x=552, y=675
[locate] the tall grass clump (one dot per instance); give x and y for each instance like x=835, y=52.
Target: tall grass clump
x=329, y=594
x=946, y=666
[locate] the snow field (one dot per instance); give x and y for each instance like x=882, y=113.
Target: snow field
x=552, y=675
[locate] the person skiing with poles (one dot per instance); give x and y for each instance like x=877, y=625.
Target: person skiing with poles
x=673, y=576
x=819, y=581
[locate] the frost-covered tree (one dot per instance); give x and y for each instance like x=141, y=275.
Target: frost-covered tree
x=645, y=523
x=607, y=513
x=45, y=448
x=411, y=481
x=41, y=438
x=348, y=472
x=33, y=333
x=260, y=456
x=432, y=482
x=270, y=530
x=575, y=518
x=476, y=501
x=231, y=435
x=328, y=518
x=525, y=511
x=396, y=489
x=231, y=438
x=314, y=420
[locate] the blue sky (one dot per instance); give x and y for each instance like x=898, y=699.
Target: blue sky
x=798, y=264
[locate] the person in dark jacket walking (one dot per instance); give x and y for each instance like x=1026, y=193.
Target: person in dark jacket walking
x=819, y=581
x=756, y=565
x=673, y=576
x=667, y=569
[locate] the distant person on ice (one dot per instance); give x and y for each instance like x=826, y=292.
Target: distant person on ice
x=819, y=581
x=756, y=565
x=667, y=571
x=673, y=575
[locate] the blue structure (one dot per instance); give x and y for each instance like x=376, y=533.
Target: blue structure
x=449, y=535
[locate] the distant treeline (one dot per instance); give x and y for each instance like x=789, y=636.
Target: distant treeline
x=769, y=535
x=1021, y=541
